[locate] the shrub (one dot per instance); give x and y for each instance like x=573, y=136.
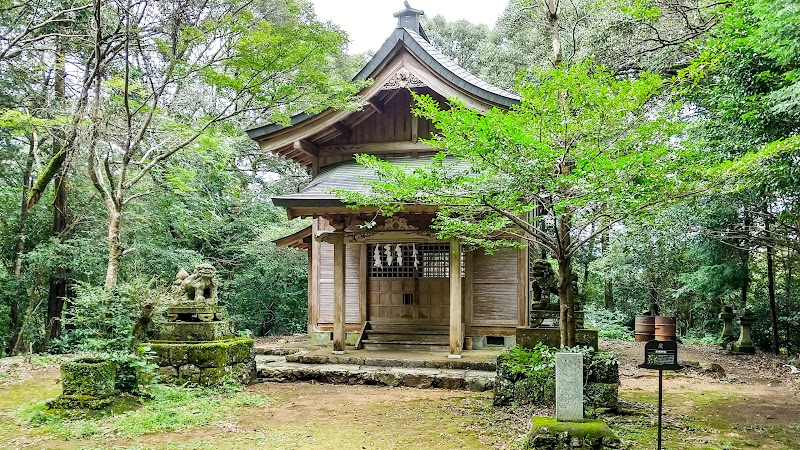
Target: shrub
x=101, y=324
x=609, y=324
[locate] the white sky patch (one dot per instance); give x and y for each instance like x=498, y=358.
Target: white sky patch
x=369, y=22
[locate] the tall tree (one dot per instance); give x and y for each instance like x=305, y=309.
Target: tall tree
x=583, y=149
x=150, y=101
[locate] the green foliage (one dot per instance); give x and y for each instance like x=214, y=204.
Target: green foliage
x=609, y=324
x=536, y=362
x=562, y=152
x=465, y=43
x=101, y=322
x=699, y=336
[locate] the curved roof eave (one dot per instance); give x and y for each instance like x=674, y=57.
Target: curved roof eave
x=427, y=54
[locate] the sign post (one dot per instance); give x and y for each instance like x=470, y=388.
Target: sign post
x=661, y=356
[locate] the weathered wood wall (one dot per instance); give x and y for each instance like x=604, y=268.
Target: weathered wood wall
x=394, y=124
x=495, y=288
x=353, y=254
x=432, y=296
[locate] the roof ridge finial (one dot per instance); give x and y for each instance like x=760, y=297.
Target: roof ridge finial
x=409, y=18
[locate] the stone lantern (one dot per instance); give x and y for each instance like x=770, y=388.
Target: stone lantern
x=727, y=316
x=745, y=344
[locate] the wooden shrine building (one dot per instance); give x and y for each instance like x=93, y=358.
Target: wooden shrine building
x=394, y=284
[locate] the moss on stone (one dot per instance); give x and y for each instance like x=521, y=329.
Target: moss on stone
x=548, y=433
x=212, y=354
x=89, y=377
x=79, y=402
x=187, y=362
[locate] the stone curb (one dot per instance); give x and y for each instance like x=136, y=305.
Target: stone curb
x=423, y=378
x=454, y=364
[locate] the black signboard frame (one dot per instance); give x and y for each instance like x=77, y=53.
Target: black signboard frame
x=661, y=356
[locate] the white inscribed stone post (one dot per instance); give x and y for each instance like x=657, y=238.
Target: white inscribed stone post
x=569, y=387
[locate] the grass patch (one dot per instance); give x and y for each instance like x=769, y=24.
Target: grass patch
x=170, y=409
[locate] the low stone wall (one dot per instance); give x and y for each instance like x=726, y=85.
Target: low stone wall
x=600, y=390
x=204, y=363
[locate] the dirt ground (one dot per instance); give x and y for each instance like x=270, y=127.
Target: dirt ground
x=755, y=404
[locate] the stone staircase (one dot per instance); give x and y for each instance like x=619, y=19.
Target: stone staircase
x=377, y=336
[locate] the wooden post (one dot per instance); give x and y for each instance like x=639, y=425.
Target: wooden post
x=339, y=334
x=456, y=332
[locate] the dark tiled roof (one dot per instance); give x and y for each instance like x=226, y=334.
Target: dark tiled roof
x=433, y=58
x=461, y=77
x=348, y=175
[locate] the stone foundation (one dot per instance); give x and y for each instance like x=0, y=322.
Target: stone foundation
x=86, y=384
x=204, y=363
x=548, y=434
x=528, y=337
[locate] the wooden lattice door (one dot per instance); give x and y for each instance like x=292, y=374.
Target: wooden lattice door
x=409, y=283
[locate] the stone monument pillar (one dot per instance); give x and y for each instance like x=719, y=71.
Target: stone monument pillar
x=745, y=343
x=727, y=316
x=197, y=345
x=569, y=387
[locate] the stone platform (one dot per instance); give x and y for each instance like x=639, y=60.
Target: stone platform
x=204, y=363
x=381, y=372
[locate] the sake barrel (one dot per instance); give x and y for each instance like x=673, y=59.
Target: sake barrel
x=644, y=328
x=665, y=328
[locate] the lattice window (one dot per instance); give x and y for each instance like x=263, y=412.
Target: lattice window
x=424, y=260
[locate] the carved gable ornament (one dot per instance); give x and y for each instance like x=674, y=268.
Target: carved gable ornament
x=401, y=79
x=396, y=224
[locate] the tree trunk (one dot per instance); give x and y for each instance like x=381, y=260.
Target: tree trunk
x=773, y=310
x=744, y=255
x=788, y=268
x=608, y=287
x=566, y=301
x=551, y=14
x=58, y=279
x=14, y=322
x=566, y=295
x=114, y=247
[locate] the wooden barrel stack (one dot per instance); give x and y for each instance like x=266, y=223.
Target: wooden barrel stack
x=665, y=328
x=660, y=328
x=644, y=328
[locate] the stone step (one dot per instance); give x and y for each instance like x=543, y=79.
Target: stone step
x=406, y=346
x=422, y=339
x=273, y=369
x=279, y=351
x=408, y=329
x=458, y=364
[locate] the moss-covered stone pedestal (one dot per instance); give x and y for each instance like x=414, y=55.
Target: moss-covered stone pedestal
x=86, y=384
x=197, y=346
x=205, y=363
x=744, y=344
x=549, y=434
x=538, y=387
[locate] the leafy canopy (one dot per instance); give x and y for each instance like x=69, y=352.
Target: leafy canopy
x=582, y=143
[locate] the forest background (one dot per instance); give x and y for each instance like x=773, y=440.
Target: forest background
x=124, y=156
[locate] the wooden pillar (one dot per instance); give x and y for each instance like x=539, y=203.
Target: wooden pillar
x=456, y=322
x=339, y=334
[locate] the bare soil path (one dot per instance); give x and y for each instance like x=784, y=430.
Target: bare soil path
x=756, y=404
